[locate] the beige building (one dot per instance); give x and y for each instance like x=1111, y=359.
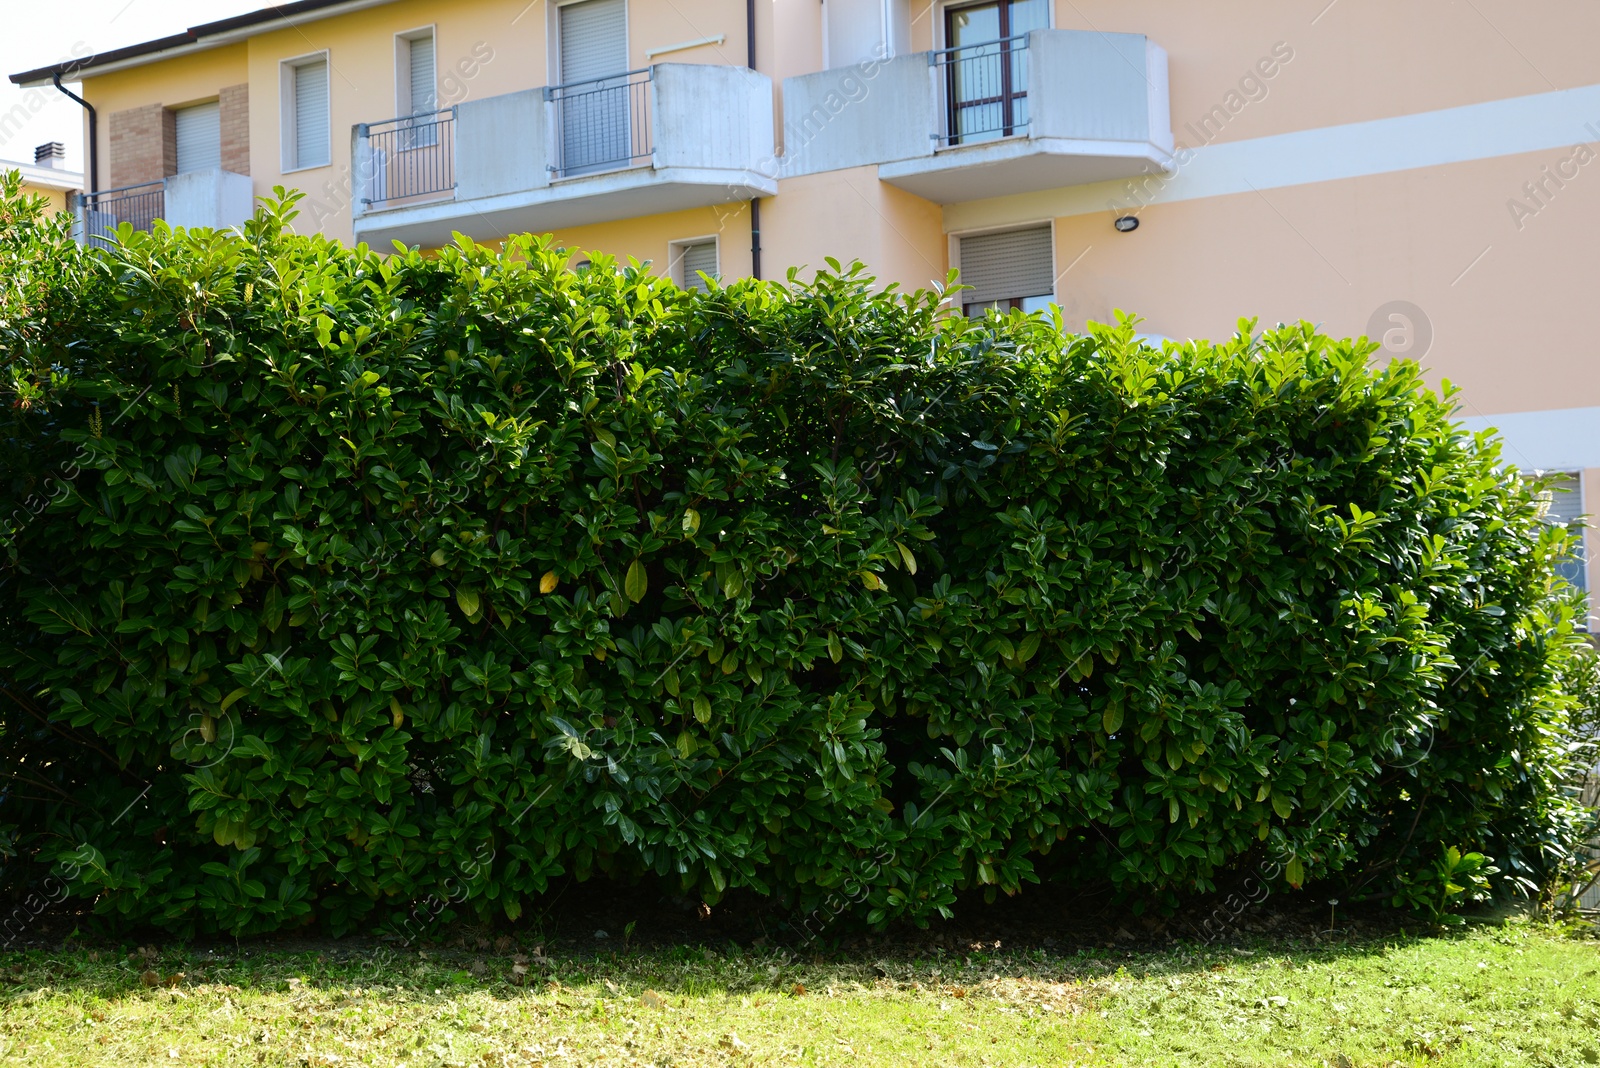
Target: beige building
x=47, y=177
x=1417, y=172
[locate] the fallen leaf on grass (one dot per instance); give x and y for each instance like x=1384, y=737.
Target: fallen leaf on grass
x=653, y=1000
x=799, y=989
x=150, y=979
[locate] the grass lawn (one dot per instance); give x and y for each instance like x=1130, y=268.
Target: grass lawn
x=1519, y=994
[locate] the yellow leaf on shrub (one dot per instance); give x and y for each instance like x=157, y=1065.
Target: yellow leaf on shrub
x=870, y=581
x=549, y=582
x=702, y=708
x=691, y=522
x=1295, y=872
x=468, y=600
x=637, y=584
x=399, y=713
x=905, y=554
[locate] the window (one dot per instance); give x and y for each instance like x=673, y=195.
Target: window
x=1565, y=509
x=416, y=86
x=1013, y=269
x=985, y=66
x=199, y=136
x=306, y=123
x=692, y=259
x=594, y=107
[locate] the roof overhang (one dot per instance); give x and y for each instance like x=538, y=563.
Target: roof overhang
x=44, y=177
x=195, y=39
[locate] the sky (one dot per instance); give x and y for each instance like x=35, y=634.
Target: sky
x=36, y=33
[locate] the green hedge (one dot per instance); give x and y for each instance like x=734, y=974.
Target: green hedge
x=340, y=587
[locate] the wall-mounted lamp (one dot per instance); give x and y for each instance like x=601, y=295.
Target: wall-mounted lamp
x=1127, y=224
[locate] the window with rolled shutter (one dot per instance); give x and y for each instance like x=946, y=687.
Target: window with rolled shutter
x=309, y=121
x=1564, y=508
x=417, y=89
x=594, y=122
x=594, y=40
x=422, y=82
x=701, y=256
x=1009, y=269
x=199, y=133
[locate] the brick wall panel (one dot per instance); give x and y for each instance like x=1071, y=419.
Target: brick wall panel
x=139, y=146
x=235, y=107
x=169, y=143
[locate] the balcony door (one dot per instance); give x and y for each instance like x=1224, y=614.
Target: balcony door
x=592, y=101
x=985, y=65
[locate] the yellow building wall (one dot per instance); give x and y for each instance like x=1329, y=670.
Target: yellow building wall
x=850, y=214
x=57, y=198
x=897, y=235
x=1356, y=60
x=484, y=48
x=174, y=83
x=650, y=238
x=1509, y=331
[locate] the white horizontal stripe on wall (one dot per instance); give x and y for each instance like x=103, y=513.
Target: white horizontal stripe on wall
x=1558, y=439
x=1381, y=146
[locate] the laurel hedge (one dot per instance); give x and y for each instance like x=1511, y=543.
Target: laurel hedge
x=347, y=588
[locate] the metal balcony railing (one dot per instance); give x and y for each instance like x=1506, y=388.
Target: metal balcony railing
x=601, y=125
x=408, y=158
x=138, y=205
x=984, y=87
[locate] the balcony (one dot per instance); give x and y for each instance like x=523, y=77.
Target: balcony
x=1042, y=110
x=212, y=198
x=666, y=138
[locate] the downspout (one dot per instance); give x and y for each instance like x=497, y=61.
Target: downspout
x=94, y=133
x=755, y=202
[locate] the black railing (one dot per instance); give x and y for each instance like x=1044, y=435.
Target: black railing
x=408, y=158
x=138, y=205
x=601, y=125
x=985, y=90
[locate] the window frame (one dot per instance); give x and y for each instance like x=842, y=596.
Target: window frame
x=941, y=7
x=959, y=306
x=552, y=38
x=677, y=250
x=288, y=115
x=403, y=96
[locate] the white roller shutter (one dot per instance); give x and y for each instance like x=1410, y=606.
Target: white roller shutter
x=424, y=96
x=594, y=40
x=311, y=122
x=593, y=115
x=199, y=131
x=1008, y=266
x=700, y=256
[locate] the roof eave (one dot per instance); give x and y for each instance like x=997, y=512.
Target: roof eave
x=195, y=39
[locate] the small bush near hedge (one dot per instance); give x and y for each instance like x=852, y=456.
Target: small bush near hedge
x=341, y=587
